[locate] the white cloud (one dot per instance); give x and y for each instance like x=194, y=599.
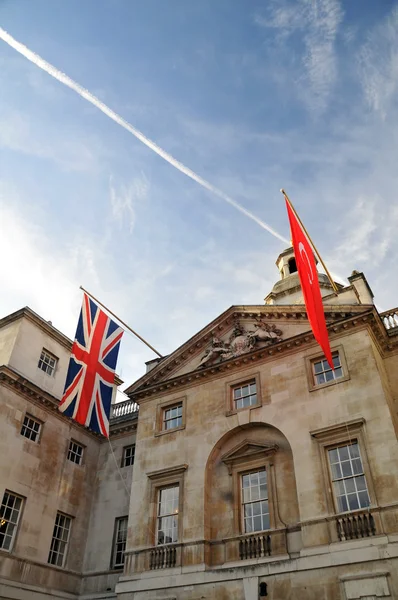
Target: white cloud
x=378, y=65
x=317, y=22
x=125, y=199
x=20, y=134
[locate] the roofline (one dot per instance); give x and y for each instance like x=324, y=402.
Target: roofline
x=32, y=316
x=52, y=331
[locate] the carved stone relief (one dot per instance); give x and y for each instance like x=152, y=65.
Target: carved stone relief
x=240, y=341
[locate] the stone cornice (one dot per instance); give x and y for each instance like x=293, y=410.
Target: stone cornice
x=196, y=344
x=124, y=427
x=30, y=391
x=46, y=326
x=341, y=320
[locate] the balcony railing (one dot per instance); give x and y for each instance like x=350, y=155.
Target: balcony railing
x=390, y=320
x=255, y=546
x=250, y=546
x=355, y=525
x=163, y=557
x=125, y=409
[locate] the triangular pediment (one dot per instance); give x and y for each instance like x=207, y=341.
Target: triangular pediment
x=248, y=448
x=235, y=335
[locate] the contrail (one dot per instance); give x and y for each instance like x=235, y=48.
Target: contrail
x=57, y=74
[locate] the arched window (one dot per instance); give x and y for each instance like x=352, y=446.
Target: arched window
x=292, y=265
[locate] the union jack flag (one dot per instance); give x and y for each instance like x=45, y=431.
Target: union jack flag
x=89, y=383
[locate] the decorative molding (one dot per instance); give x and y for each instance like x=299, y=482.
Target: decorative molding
x=347, y=428
x=46, y=326
x=31, y=392
x=240, y=342
x=248, y=450
x=169, y=472
x=344, y=318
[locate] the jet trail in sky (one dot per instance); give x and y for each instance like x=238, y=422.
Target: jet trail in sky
x=57, y=74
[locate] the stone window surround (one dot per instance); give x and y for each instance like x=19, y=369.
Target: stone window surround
x=55, y=550
x=161, y=479
x=339, y=435
x=312, y=358
x=114, y=542
x=127, y=457
x=72, y=452
x=45, y=357
x=30, y=416
x=160, y=409
x=17, y=524
x=230, y=408
x=240, y=465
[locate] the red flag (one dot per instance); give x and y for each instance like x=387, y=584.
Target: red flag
x=308, y=274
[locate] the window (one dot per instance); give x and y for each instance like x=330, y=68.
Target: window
x=60, y=540
x=128, y=455
x=319, y=373
x=172, y=417
x=323, y=373
x=167, y=515
x=345, y=466
x=10, y=513
x=119, y=547
x=348, y=478
x=255, y=508
x=292, y=265
x=47, y=362
x=245, y=395
x=75, y=452
x=31, y=428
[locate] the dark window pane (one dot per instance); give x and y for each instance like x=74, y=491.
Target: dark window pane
x=357, y=466
x=353, y=501
x=343, y=453
x=342, y=503
x=364, y=499
x=346, y=468
x=336, y=471
x=329, y=376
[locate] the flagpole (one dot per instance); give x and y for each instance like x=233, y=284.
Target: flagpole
x=334, y=286
x=122, y=322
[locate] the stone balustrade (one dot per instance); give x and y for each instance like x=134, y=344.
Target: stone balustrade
x=356, y=525
x=390, y=320
x=255, y=546
x=163, y=557
x=124, y=409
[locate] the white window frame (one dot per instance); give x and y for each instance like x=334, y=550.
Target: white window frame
x=28, y=423
x=348, y=483
x=178, y=417
x=170, y=512
x=127, y=456
x=60, y=540
x=117, y=542
x=13, y=521
x=238, y=395
x=73, y=452
x=251, y=501
x=326, y=371
x=314, y=359
x=47, y=362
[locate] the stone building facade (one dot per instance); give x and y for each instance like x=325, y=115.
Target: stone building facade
x=62, y=497
x=258, y=471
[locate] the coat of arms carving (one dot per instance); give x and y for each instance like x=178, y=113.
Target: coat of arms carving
x=240, y=341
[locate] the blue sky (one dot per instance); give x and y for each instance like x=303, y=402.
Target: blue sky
x=251, y=95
